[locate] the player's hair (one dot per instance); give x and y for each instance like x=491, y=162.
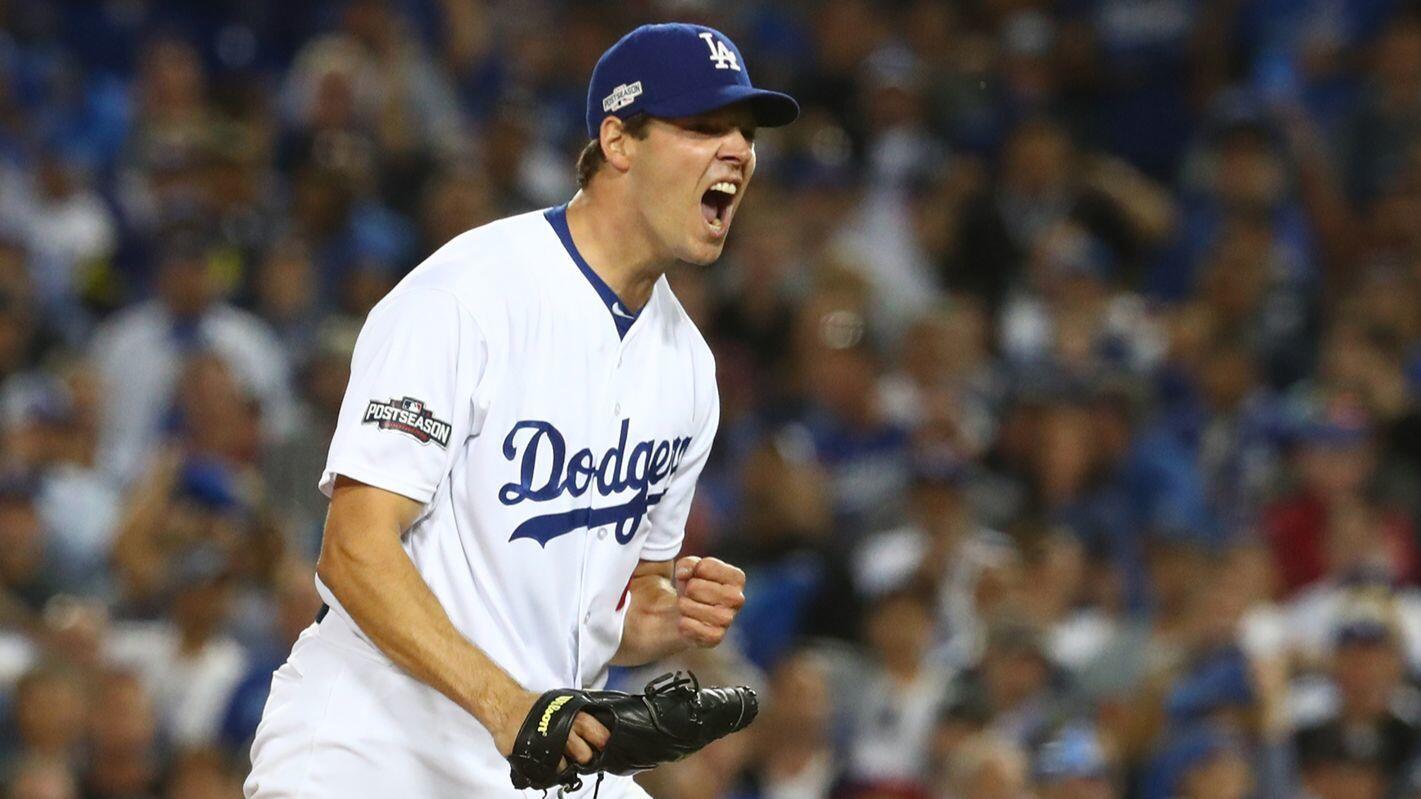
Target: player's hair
x=592, y=158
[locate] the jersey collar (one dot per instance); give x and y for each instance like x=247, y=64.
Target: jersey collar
x=622, y=317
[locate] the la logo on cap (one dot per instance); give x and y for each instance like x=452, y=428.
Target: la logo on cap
x=723, y=57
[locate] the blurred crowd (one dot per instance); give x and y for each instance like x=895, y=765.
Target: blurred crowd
x=1068, y=356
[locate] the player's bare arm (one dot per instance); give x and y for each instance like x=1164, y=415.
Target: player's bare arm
x=363, y=564
x=677, y=605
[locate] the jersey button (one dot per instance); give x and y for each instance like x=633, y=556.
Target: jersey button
x=617, y=409
x=601, y=532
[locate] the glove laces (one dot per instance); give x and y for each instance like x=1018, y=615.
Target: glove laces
x=575, y=784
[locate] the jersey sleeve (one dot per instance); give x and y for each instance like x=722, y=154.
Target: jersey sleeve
x=410, y=402
x=668, y=517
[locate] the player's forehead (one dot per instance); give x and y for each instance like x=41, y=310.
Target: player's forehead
x=736, y=115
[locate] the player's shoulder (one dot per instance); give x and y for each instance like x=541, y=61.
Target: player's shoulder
x=487, y=269
x=487, y=258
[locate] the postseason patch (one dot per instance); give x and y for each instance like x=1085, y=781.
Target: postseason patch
x=621, y=97
x=408, y=416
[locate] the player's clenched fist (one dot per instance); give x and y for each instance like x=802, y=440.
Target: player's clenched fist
x=709, y=594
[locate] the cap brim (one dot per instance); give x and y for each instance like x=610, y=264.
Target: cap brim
x=771, y=109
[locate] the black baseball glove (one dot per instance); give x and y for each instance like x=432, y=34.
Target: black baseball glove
x=674, y=718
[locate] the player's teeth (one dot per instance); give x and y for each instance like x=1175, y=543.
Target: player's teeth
x=724, y=186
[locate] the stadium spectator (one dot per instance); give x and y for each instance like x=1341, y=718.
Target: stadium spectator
x=898, y=696
x=140, y=353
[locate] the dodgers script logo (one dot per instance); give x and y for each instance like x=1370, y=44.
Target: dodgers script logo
x=540, y=449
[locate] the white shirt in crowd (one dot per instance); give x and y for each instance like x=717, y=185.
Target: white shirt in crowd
x=140, y=361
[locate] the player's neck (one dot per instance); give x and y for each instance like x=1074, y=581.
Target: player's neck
x=615, y=246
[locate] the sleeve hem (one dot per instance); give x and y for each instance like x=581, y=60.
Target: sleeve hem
x=376, y=478
x=661, y=552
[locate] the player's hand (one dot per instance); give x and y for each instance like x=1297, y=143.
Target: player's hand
x=587, y=734
x=709, y=594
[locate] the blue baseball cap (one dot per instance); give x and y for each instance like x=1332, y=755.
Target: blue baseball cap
x=1221, y=681
x=675, y=70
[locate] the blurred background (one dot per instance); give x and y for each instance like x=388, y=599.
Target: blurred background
x=1068, y=355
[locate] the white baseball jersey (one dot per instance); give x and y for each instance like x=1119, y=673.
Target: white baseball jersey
x=553, y=437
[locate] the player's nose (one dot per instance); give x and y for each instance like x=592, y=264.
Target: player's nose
x=736, y=146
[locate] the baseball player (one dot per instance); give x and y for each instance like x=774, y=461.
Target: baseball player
x=527, y=414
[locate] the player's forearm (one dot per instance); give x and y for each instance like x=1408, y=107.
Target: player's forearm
x=650, y=631
x=384, y=594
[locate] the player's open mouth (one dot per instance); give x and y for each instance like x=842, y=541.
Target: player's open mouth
x=716, y=205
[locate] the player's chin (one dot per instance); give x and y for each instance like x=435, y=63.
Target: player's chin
x=703, y=253
x=708, y=242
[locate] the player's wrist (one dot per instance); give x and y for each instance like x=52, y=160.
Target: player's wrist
x=506, y=719
x=500, y=708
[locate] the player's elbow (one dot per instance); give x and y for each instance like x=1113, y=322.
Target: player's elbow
x=329, y=568
x=361, y=536
x=351, y=552
x=334, y=565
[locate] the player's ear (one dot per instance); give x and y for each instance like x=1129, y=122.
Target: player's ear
x=615, y=143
